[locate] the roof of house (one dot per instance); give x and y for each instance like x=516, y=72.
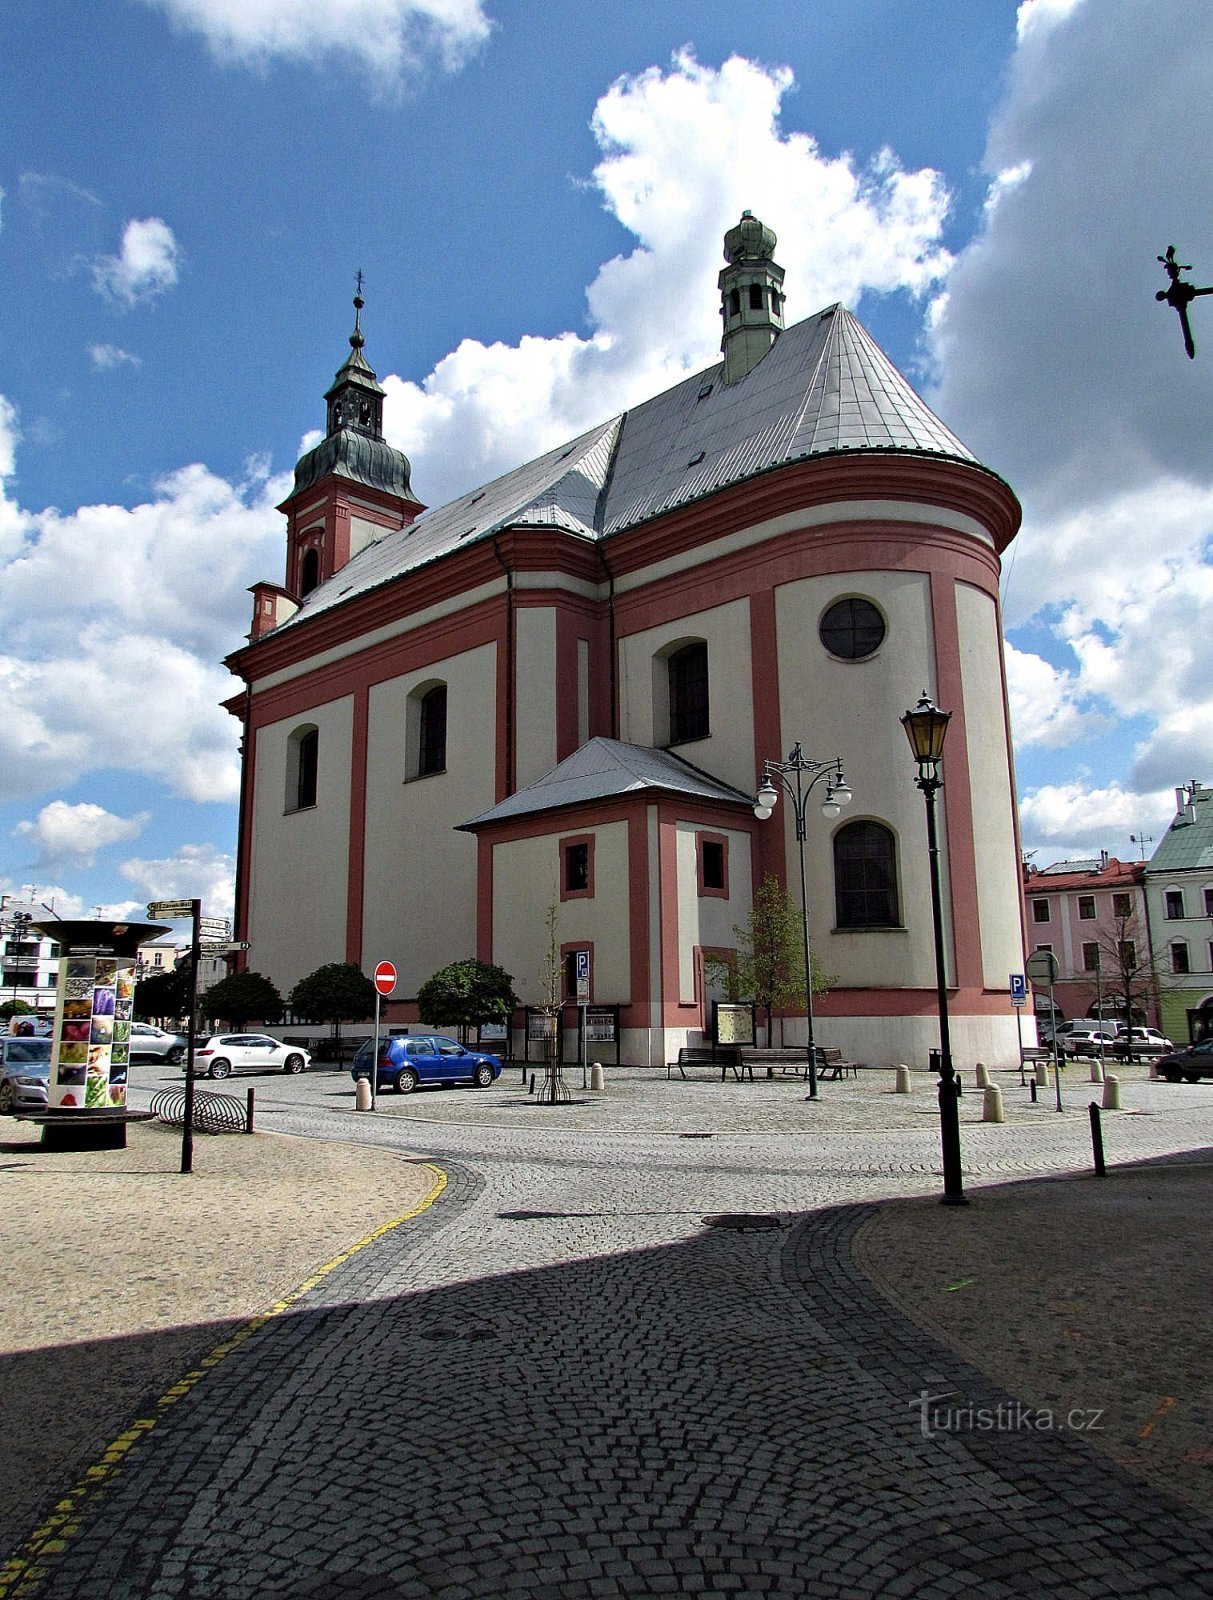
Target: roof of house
x=603, y=769
x=824, y=388
x=1092, y=874
x=1188, y=842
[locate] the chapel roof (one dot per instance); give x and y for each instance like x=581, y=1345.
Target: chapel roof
x=1188, y=842
x=824, y=388
x=604, y=769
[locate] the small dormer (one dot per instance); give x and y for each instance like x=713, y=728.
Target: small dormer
x=751, y=296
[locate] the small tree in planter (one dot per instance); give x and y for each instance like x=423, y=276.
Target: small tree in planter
x=467, y=993
x=242, y=997
x=769, y=964
x=336, y=992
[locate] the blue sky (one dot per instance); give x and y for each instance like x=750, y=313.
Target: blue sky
x=536, y=195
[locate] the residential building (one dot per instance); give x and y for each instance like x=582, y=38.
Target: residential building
x=555, y=695
x=1093, y=916
x=29, y=959
x=1179, y=891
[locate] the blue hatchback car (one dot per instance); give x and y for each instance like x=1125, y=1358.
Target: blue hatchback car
x=415, y=1060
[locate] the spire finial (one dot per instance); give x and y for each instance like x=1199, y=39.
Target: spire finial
x=356, y=339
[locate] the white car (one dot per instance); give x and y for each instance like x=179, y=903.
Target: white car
x=225, y=1053
x=156, y=1044
x=1140, y=1042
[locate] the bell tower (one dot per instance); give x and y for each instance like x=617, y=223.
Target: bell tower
x=350, y=490
x=751, y=296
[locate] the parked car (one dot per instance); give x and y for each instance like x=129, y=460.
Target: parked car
x=25, y=1070
x=225, y=1053
x=157, y=1045
x=1134, y=1044
x=414, y=1060
x=1087, y=1039
x=1192, y=1064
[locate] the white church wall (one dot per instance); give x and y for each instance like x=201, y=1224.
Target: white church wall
x=298, y=873
x=852, y=709
x=991, y=784
x=708, y=920
x=419, y=907
x=728, y=751
x=535, y=665
x=526, y=884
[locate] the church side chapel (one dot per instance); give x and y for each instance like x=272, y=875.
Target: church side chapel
x=559, y=690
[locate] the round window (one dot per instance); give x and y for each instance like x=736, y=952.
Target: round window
x=852, y=629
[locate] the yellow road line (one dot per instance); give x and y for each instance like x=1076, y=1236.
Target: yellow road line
x=23, y=1572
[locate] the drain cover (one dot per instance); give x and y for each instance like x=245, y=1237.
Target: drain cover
x=694, y=1135
x=472, y=1333
x=751, y=1220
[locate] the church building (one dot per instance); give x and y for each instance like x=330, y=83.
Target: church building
x=559, y=690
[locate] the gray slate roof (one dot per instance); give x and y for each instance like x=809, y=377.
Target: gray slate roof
x=824, y=387
x=603, y=769
x=1187, y=844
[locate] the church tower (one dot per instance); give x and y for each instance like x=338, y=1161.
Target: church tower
x=751, y=296
x=350, y=490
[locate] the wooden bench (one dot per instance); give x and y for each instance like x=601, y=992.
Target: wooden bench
x=725, y=1056
x=829, y=1062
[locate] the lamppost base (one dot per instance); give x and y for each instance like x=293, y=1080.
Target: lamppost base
x=953, y=1199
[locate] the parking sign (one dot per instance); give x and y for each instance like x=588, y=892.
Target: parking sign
x=1019, y=989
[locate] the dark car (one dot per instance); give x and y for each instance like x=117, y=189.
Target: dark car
x=414, y=1060
x=1192, y=1064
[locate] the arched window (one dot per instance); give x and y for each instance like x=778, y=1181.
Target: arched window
x=865, y=876
x=688, y=675
x=302, y=759
x=431, y=740
x=309, y=574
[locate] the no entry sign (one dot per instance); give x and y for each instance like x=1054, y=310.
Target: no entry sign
x=385, y=977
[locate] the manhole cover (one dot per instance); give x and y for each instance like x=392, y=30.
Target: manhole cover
x=747, y=1220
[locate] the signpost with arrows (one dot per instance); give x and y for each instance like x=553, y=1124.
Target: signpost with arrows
x=169, y=911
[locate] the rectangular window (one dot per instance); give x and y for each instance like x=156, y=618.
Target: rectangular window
x=712, y=853
x=1174, y=904
x=1122, y=905
x=577, y=868
x=1086, y=908
x=1040, y=911
x=1179, y=956
x=1209, y=902
x=1090, y=958
x=1128, y=955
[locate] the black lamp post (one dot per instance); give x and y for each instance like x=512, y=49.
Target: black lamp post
x=798, y=777
x=926, y=727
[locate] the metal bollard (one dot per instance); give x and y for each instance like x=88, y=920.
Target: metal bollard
x=1097, y=1142
x=531, y=1090
x=1032, y=1086
x=248, y=1118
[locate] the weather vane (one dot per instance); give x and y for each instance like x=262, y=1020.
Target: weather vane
x=1180, y=295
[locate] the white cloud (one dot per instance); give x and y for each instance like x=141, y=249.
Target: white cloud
x=146, y=266
x=388, y=38
x=1068, y=820
x=1046, y=708
x=105, y=357
x=684, y=151
x=113, y=625
x=194, y=872
x=74, y=834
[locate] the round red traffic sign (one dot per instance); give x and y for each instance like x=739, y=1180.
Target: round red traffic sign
x=385, y=977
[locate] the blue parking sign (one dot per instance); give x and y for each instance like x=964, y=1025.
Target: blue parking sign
x=1019, y=989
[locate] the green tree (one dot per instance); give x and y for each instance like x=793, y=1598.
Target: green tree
x=769, y=964
x=164, y=996
x=336, y=992
x=465, y=993
x=242, y=997
x=14, y=1008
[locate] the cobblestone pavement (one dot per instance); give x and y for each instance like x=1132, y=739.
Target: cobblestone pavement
x=561, y=1380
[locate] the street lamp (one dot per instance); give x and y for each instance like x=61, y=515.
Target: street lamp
x=791, y=775
x=926, y=727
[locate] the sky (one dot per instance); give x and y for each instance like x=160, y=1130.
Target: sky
x=536, y=195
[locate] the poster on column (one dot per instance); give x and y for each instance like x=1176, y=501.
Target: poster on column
x=92, y=1032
